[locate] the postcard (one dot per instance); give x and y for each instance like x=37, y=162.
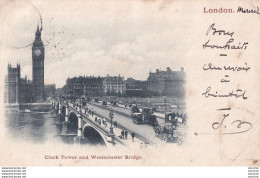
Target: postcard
x=129, y=83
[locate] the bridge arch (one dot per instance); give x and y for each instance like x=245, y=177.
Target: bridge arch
x=63, y=110
x=73, y=121
x=94, y=137
x=61, y=116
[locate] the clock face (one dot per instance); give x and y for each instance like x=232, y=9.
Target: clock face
x=37, y=52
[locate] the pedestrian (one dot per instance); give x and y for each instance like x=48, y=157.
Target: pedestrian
x=85, y=111
x=92, y=113
x=122, y=133
x=133, y=136
x=115, y=124
x=175, y=121
x=174, y=115
x=184, y=120
x=126, y=133
x=95, y=119
x=104, y=122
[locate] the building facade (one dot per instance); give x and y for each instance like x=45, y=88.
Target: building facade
x=93, y=86
x=114, y=85
x=167, y=83
x=17, y=89
x=74, y=87
x=12, y=84
x=159, y=83
x=136, y=88
x=84, y=86
x=50, y=90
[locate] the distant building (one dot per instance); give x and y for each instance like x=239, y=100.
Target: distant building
x=135, y=84
x=12, y=81
x=60, y=91
x=84, y=86
x=114, y=85
x=74, y=87
x=93, y=86
x=167, y=83
x=136, y=87
x=17, y=89
x=159, y=83
x=50, y=90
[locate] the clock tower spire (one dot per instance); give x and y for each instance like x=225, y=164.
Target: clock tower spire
x=38, y=67
x=38, y=33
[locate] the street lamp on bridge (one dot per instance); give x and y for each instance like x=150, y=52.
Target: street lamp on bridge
x=111, y=115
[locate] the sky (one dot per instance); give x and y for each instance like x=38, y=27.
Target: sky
x=95, y=38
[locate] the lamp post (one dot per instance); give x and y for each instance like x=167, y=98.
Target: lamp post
x=165, y=102
x=92, y=112
x=111, y=115
x=60, y=104
x=80, y=107
x=80, y=119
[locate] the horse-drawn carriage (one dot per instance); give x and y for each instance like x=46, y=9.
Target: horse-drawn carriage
x=104, y=103
x=84, y=102
x=96, y=100
x=166, y=132
x=114, y=103
x=174, y=118
x=144, y=117
x=135, y=109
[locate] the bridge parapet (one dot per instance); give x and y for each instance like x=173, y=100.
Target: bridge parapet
x=83, y=120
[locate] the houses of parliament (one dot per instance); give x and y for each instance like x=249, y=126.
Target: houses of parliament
x=22, y=90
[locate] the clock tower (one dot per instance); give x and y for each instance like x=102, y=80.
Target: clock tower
x=38, y=67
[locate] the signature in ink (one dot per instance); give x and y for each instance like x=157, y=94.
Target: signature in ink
x=238, y=123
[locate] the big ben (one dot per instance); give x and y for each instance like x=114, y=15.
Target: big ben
x=38, y=67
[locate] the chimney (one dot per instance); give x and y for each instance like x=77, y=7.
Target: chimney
x=182, y=69
x=157, y=71
x=168, y=70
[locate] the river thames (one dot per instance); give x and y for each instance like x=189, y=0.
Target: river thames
x=35, y=127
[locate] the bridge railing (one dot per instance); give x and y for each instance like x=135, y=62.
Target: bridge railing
x=95, y=125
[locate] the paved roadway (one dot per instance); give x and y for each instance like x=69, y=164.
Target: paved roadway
x=122, y=116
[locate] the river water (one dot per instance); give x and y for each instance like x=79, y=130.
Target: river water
x=35, y=127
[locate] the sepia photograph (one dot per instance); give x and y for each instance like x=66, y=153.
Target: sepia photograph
x=129, y=83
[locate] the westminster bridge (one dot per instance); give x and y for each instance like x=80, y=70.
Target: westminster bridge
x=87, y=126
